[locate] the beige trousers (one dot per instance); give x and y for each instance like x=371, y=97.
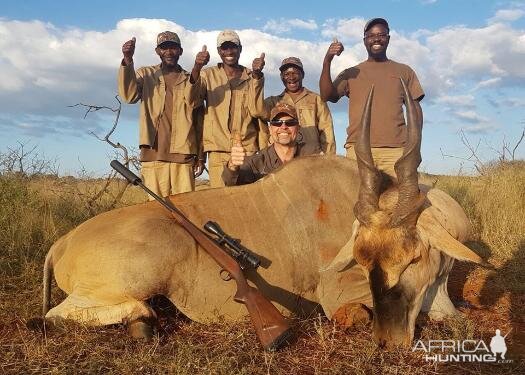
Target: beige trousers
x=216, y=164
x=384, y=158
x=165, y=178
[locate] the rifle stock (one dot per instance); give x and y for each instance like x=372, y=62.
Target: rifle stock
x=270, y=326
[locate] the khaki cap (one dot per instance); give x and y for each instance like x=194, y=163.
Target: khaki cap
x=294, y=61
x=283, y=108
x=228, y=36
x=167, y=36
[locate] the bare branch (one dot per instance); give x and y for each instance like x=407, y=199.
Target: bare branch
x=513, y=153
x=26, y=162
x=95, y=108
x=503, y=155
x=91, y=202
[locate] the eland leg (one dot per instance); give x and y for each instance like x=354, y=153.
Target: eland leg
x=137, y=315
x=437, y=303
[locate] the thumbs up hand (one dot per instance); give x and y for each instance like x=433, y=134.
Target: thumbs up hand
x=128, y=50
x=258, y=65
x=335, y=49
x=237, y=153
x=203, y=57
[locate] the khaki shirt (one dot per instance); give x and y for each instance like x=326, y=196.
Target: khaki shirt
x=314, y=117
x=147, y=85
x=387, y=123
x=231, y=110
x=260, y=164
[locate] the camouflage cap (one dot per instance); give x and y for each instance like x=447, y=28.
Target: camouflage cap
x=294, y=61
x=228, y=36
x=280, y=108
x=167, y=36
x=375, y=21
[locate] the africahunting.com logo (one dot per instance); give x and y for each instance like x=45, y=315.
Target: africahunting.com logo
x=464, y=350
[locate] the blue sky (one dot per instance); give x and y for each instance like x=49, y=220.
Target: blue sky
x=469, y=56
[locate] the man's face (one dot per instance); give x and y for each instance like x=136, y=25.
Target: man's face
x=376, y=41
x=169, y=54
x=284, y=129
x=292, y=78
x=229, y=53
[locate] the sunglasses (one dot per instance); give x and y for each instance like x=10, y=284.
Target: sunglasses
x=291, y=122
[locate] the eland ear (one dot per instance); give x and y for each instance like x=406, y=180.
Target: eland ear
x=440, y=239
x=346, y=254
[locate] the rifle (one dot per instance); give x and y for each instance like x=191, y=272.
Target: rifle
x=270, y=326
x=242, y=255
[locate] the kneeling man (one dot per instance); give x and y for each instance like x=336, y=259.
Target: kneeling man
x=287, y=144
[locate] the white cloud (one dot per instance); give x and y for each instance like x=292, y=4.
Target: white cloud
x=479, y=129
x=457, y=100
x=490, y=82
x=471, y=117
x=57, y=67
x=345, y=30
x=507, y=15
x=283, y=25
x=487, y=53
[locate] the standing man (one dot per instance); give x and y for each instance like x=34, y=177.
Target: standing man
x=234, y=99
x=314, y=116
x=168, y=139
x=388, y=130
x=284, y=128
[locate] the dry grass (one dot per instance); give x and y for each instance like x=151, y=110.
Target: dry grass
x=35, y=212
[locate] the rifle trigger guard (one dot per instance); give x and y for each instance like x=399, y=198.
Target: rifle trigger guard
x=225, y=275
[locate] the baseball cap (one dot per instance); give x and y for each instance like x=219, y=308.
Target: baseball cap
x=167, y=36
x=295, y=61
x=283, y=108
x=228, y=36
x=375, y=21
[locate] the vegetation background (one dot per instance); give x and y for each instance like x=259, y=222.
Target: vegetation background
x=37, y=207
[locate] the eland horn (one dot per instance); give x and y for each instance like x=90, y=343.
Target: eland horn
x=371, y=179
x=406, y=166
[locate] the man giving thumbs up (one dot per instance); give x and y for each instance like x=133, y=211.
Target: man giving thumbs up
x=234, y=100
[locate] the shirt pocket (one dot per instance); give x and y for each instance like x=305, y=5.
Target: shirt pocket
x=306, y=116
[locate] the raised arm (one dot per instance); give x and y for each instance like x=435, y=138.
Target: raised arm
x=202, y=59
x=256, y=104
x=129, y=85
x=326, y=86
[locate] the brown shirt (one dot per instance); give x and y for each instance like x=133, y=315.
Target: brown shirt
x=161, y=147
x=314, y=117
x=387, y=128
x=260, y=164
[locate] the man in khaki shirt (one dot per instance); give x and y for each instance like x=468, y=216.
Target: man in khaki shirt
x=169, y=141
x=313, y=113
x=286, y=145
x=234, y=99
x=387, y=129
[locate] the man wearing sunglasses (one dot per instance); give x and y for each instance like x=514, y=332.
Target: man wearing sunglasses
x=387, y=130
x=314, y=116
x=284, y=130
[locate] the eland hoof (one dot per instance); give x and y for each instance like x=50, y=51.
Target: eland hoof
x=141, y=329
